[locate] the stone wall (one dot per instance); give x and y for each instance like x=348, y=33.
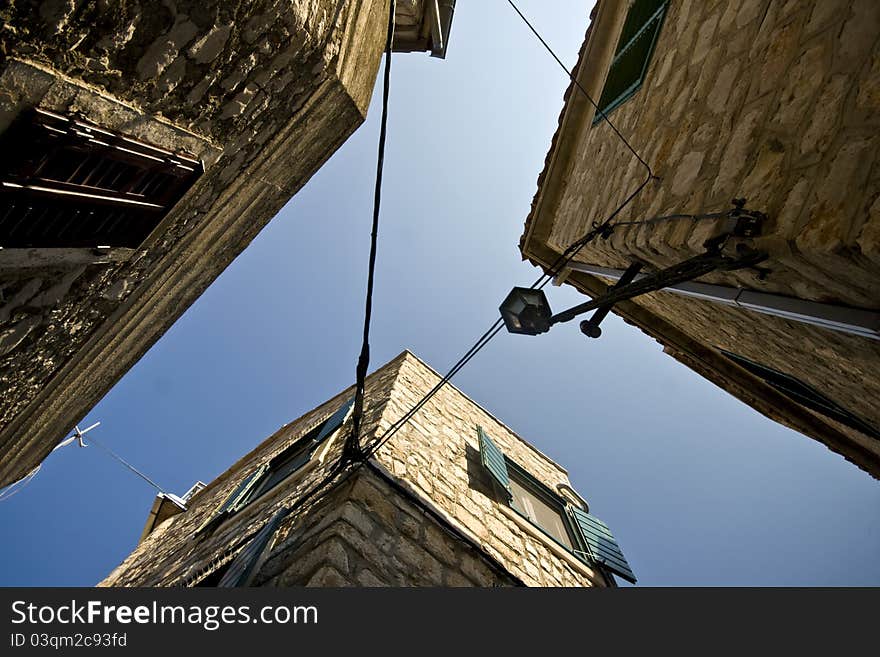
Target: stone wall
x=760, y=99
x=422, y=513
x=370, y=534
x=437, y=453
x=263, y=92
x=768, y=100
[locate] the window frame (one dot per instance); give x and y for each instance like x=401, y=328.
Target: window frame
x=305, y=445
x=592, y=540
x=524, y=479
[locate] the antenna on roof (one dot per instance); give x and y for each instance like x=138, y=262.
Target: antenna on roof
x=77, y=435
x=16, y=486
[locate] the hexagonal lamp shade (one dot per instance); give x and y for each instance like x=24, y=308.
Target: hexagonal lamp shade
x=526, y=311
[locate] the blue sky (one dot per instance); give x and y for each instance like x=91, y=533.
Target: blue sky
x=698, y=488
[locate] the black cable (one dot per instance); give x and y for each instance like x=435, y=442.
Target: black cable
x=464, y=360
x=353, y=447
x=673, y=217
x=602, y=228
x=351, y=450
x=344, y=462
x=481, y=342
x=582, y=90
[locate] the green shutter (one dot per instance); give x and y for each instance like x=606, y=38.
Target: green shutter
x=335, y=421
x=601, y=545
x=633, y=54
x=239, y=498
x=235, y=500
x=492, y=459
x=248, y=561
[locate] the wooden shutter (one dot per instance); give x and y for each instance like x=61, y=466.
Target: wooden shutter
x=335, y=421
x=236, y=499
x=248, y=562
x=804, y=394
x=66, y=182
x=492, y=459
x=601, y=544
x=633, y=54
x=239, y=497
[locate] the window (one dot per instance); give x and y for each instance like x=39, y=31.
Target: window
x=584, y=535
x=633, y=54
x=66, y=182
x=545, y=511
x=804, y=394
x=269, y=475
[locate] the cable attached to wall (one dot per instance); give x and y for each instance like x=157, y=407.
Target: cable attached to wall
x=599, y=229
x=583, y=91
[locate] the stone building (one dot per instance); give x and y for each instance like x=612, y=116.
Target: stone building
x=775, y=102
x=454, y=498
x=143, y=145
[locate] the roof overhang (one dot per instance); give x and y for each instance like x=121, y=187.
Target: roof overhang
x=595, y=57
x=164, y=506
x=423, y=26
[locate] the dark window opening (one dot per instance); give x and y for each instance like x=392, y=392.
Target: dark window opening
x=633, y=55
x=804, y=394
x=214, y=578
x=287, y=463
x=242, y=569
x=66, y=182
x=269, y=475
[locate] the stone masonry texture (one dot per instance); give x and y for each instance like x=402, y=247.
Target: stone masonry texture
x=263, y=92
x=421, y=512
x=769, y=100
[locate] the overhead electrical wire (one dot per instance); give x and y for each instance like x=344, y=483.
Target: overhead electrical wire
x=674, y=217
x=352, y=453
x=574, y=80
x=128, y=465
x=16, y=486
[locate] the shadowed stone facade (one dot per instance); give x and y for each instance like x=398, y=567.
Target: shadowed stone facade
x=772, y=101
x=423, y=511
x=261, y=92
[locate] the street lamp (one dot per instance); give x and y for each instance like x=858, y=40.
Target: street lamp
x=527, y=311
